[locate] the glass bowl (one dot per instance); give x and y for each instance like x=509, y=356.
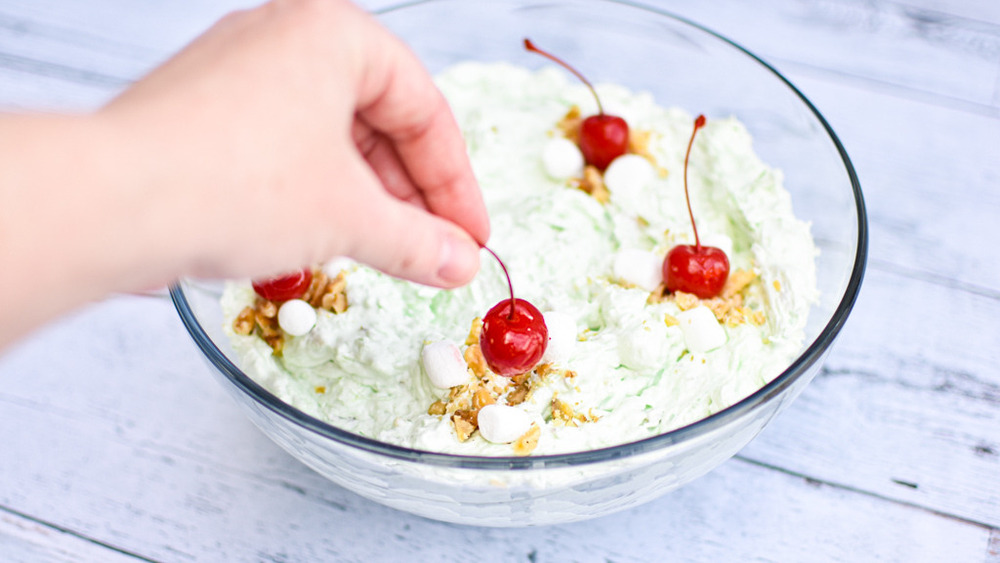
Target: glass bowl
x=681, y=64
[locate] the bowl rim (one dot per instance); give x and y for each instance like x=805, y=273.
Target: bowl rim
x=813, y=353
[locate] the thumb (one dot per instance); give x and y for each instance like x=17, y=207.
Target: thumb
x=409, y=242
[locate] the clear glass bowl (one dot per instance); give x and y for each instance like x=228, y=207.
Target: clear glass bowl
x=681, y=64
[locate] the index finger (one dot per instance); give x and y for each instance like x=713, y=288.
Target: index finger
x=398, y=98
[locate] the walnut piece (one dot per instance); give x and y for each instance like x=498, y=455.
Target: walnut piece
x=737, y=281
x=569, y=125
x=474, y=358
x=562, y=412
x=528, y=441
x=245, y=321
x=262, y=317
x=728, y=307
x=686, y=301
x=593, y=184
x=328, y=294
x=465, y=423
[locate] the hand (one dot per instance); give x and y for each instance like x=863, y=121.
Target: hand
x=284, y=136
x=299, y=131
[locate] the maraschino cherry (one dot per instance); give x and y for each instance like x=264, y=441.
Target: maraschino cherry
x=514, y=334
x=603, y=137
x=283, y=288
x=697, y=269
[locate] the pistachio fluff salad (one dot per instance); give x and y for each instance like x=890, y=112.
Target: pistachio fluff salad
x=626, y=358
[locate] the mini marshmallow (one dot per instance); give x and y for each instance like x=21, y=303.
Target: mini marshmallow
x=562, y=159
x=336, y=265
x=444, y=364
x=639, y=267
x=718, y=240
x=628, y=174
x=562, y=336
x=502, y=424
x=701, y=331
x=296, y=317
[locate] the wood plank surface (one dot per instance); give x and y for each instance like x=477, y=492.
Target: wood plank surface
x=193, y=487
x=117, y=443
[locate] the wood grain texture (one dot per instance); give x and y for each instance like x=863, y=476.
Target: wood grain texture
x=26, y=540
x=118, y=444
x=180, y=474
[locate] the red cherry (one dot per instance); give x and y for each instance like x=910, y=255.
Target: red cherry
x=697, y=269
x=514, y=337
x=514, y=334
x=701, y=270
x=603, y=137
x=283, y=288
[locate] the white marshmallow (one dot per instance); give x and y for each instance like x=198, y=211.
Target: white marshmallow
x=701, y=331
x=562, y=159
x=296, y=317
x=562, y=336
x=444, y=365
x=502, y=424
x=627, y=175
x=720, y=241
x=335, y=265
x=639, y=267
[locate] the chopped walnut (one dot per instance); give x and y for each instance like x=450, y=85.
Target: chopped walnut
x=465, y=423
x=593, y=184
x=562, y=412
x=728, y=308
x=334, y=302
x=481, y=398
x=724, y=306
x=523, y=377
x=316, y=287
x=528, y=441
x=322, y=293
x=686, y=301
x=569, y=125
x=474, y=358
x=474, y=331
x=522, y=386
x=777, y=285
x=473, y=354
x=266, y=309
x=266, y=319
x=245, y=321
x=464, y=401
x=518, y=395
x=544, y=369
x=737, y=281
x=671, y=320
x=658, y=295
x=638, y=142
x=277, y=343
x=326, y=293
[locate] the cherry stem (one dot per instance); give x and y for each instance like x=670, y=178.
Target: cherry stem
x=510, y=315
x=699, y=122
x=531, y=47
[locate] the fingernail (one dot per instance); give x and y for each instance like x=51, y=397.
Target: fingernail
x=458, y=255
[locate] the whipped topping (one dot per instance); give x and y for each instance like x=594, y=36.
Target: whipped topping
x=625, y=366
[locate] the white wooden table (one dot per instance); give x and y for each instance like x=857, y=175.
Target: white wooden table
x=116, y=444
